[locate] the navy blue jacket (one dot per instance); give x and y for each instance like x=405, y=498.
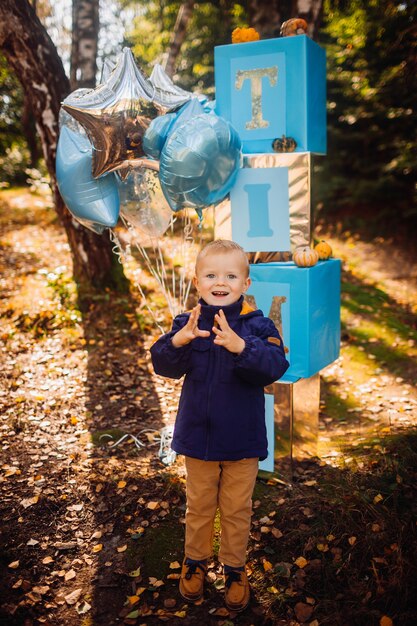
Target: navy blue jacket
x=221, y=414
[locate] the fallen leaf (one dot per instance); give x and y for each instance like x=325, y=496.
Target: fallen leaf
x=29, y=501
x=82, y=607
x=97, y=534
x=267, y=565
x=152, y=505
x=122, y=548
x=41, y=589
x=352, y=540
x=70, y=575
x=14, y=565
x=303, y=611
x=75, y=507
x=174, y=565
x=133, y=614
x=132, y=599
x=301, y=562
x=73, y=597
x=134, y=573
x=47, y=559
x=377, y=499
x=283, y=569
x=385, y=621
x=322, y=547
x=98, y=547
x=276, y=532
x=121, y=484
x=32, y=542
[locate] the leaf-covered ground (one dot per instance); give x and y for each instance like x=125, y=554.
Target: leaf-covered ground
x=92, y=536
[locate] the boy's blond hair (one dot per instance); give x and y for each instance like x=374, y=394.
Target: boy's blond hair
x=222, y=246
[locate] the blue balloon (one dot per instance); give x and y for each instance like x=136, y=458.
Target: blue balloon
x=156, y=134
x=158, y=130
x=93, y=202
x=199, y=161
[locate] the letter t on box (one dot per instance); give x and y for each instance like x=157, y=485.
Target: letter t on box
x=271, y=88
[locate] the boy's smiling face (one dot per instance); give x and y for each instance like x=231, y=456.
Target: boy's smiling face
x=222, y=277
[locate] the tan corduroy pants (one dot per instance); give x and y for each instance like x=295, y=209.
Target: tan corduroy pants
x=227, y=485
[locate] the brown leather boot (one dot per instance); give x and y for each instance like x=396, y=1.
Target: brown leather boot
x=192, y=579
x=237, y=590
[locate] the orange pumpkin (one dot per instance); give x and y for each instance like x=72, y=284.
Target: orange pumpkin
x=304, y=256
x=324, y=250
x=242, y=35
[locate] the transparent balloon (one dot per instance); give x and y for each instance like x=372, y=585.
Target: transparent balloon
x=143, y=204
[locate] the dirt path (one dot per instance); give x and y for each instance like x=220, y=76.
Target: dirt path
x=92, y=536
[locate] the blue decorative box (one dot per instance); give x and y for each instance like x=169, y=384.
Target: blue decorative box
x=271, y=88
x=270, y=202
x=304, y=303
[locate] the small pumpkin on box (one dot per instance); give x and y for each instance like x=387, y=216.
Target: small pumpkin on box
x=324, y=250
x=304, y=256
x=243, y=35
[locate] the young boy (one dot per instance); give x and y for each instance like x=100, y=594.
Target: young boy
x=228, y=352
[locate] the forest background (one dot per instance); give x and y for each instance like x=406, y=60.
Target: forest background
x=91, y=535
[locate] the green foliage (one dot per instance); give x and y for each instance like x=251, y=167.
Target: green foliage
x=372, y=95
x=14, y=155
x=211, y=24
x=11, y=103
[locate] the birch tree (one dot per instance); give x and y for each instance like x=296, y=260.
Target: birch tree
x=84, y=43
x=33, y=57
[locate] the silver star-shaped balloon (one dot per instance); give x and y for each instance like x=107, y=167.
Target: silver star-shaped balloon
x=117, y=113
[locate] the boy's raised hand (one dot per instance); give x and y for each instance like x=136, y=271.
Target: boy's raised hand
x=227, y=337
x=190, y=331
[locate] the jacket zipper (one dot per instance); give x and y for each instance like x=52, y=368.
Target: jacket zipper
x=210, y=371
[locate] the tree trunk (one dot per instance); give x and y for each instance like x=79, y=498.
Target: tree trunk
x=268, y=15
x=34, y=59
x=311, y=11
x=180, y=29
x=84, y=43
x=29, y=130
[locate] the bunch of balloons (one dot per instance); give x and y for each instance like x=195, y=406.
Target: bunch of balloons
x=142, y=148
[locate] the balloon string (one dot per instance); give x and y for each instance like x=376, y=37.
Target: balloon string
x=117, y=248
x=175, y=289
x=160, y=272
x=122, y=255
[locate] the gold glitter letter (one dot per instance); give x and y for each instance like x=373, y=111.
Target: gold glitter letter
x=255, y=76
